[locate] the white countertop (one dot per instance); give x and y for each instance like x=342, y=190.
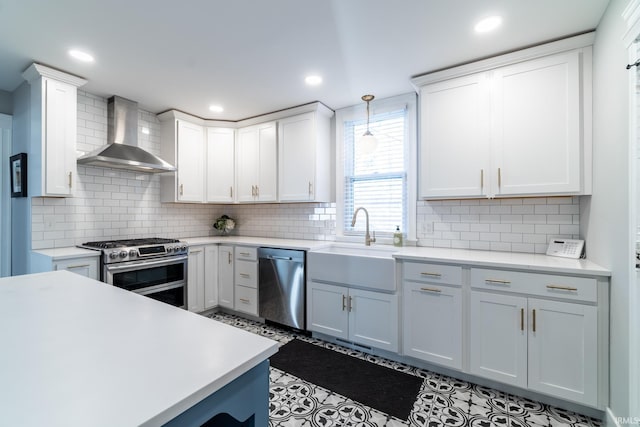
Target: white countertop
x=67, y=252
x=303, y=245
x=77, y=352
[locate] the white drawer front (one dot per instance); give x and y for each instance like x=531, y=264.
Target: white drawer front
x=246, y=300
x=247, y=273
x=546, y=285
x=247, y=252
x=433, y=273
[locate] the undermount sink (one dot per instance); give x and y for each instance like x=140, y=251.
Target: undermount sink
x=370, y=267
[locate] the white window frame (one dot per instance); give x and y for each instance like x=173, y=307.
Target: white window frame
x=378, y=106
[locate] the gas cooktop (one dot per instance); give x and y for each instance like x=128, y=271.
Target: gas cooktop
x=127, y=243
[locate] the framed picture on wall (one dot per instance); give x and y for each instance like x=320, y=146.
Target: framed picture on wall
x=18, y=168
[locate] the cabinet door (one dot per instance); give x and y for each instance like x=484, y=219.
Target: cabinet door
x=225, y=276
x=210, y=276
x=267, y=190
x=87, y=266
x=455, y=138
x=536, y=126
x=247, y=161
x=195, y=280
x=297, y=157
x=327, y=309
x=373, y=319
x=60, y=121
x=220, y=165
x=563, y=349
x=432, y=323
x=498, y=348
x=190, y=162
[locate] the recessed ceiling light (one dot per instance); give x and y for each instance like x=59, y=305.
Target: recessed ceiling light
x=216, y=108
x=488, y=24
x=80, y=55
x=313, y=80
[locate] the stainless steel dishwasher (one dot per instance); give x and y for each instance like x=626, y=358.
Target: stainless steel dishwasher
x=281, y=286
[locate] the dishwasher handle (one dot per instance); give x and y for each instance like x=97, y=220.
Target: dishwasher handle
x=286, y=258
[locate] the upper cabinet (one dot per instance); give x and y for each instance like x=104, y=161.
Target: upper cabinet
x=279, y=157
x=257, y=163
x=304, y=156
x=53, y=109
x=515, y=125
x=220, y=165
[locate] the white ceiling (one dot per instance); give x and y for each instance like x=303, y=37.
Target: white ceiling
x=251, y=56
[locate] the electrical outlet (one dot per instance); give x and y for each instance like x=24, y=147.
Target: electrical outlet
x=427, y=227
x=49, y=223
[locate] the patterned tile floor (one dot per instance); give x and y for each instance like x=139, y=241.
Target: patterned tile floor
x=442, y=401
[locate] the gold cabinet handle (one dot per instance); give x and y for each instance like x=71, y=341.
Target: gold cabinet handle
x=310, y=189
x=344, y=302
x=231, y=192
x=522, y=319
x=481, y=180
x=562, y=288
x=499, y=281
x=534, y=320
x=245, y=253
x=245, y=275
x=70, y=179
x=253, y=191
x=244, y=300
x=181, y=189
x=70, y=267
x=431, y=274
x=257, y=191
x=229, y=257
x=350, y=304
x=430, y=290
x=192, y=252
x=499, y=178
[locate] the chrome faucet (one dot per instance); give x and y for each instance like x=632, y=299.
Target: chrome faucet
x=367, y=237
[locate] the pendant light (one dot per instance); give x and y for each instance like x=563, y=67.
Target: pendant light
x=368, y=142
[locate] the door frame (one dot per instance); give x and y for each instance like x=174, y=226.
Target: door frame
x=6, y=122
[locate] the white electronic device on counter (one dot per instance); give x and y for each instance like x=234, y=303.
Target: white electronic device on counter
x=567, y=248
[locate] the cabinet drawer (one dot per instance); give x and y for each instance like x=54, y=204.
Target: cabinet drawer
x=247, y=273
x=246, y=252
x=246, y=300
x=433, y=273
x=546, y=285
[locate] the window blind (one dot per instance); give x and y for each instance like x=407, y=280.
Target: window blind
x=376, y=181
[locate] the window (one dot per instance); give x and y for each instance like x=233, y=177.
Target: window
x=379, y=181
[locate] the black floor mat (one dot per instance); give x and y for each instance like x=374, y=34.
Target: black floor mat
x=378, y=387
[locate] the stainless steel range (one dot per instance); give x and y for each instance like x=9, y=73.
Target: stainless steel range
x=154, y=267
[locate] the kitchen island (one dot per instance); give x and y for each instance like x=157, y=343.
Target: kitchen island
x=78, y=352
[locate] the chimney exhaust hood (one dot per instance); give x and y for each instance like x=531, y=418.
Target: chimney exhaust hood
x=122, y=151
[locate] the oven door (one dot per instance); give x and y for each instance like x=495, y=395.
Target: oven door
x=164, y=279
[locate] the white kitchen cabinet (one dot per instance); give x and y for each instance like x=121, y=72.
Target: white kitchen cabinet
x=549, y=345
x=183, y=145
x=202, y=278
x=364, y=317
x=432, y=313
x=256, y=163
x=246, y=280
x=304, y=157
x=521, y=129
x=220, y=165
x=52, y=153
x=62, y=259
x=225, y=276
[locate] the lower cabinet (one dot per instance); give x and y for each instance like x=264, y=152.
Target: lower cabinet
x=87, y=267
x=432, y=323
x=548, y=346
x=59, y=259
x=364, y=317
x=246, y=280
x=202, y=278
x=225, y=276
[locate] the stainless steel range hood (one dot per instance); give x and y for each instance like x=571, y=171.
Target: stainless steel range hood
x=123, y=152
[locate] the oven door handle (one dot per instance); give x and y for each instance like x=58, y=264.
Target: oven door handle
x=135, y=265
x=156, y=289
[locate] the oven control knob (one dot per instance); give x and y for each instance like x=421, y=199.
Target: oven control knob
x=113, y=255
x=169, y=249
x=184, y=248
x=123, y=254
x=132, y=253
